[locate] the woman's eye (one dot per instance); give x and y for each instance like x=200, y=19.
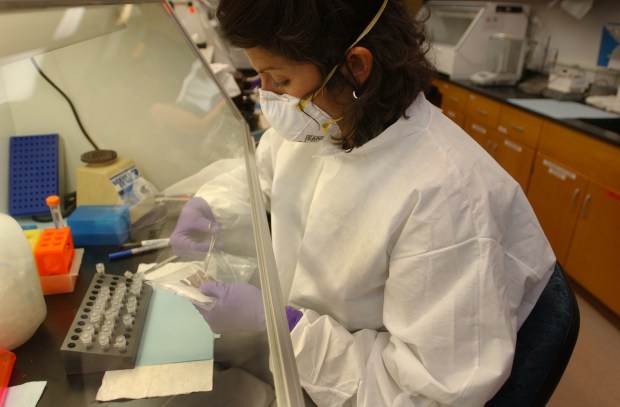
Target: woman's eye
x=281, y=84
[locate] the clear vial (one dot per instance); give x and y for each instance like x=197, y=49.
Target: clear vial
x=100, y=268
x=53, y=201
x=95, y=319
x=104, y=341
x=127, y=321
x=90, y=328
x=132, y=304
x=87, y=339
x=120, y=342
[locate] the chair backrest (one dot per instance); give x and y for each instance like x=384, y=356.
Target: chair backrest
x=545, y=343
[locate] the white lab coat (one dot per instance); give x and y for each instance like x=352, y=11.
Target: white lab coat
x=415, y=259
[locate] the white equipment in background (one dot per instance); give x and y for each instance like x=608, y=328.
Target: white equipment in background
x=505, y=57
x=459, y=32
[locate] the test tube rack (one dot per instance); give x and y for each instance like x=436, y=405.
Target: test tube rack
x=33, y=173
x=83, y=356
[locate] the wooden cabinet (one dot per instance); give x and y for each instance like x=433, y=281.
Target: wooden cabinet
x=453, y=101
x=483, y=110
x=593, y=259
x=574, y=191
x=515, y=157
x=520, y=126
x=571, y=179
x=555, y=193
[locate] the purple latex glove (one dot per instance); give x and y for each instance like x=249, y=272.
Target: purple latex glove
x=293, y=316
x=239, y=307
x=195, y=227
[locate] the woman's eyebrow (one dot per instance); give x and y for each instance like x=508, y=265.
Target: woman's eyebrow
x=269, y=68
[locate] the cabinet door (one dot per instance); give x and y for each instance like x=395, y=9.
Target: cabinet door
x=453, y=97
x=483, y=110
x=555, y=193
x=594, y=261
x=479, y=132
x=456, y=116
x=515, y=157
x=520, y=126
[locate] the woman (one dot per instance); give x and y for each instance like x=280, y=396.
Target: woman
x=409, y=257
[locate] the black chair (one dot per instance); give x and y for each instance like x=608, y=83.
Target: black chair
x=545, y=343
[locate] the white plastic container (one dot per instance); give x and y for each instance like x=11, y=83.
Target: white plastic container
x=22, y=305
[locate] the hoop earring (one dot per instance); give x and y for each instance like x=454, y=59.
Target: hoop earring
x=355, y=95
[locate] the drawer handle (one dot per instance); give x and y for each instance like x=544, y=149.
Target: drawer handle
x=513, y=146
x=573, y=200
x=479, y=129
x=482, y=112
x=584, y=208
x=558, y=171
x=454, y=99
x=451, y=114
x=517, y=128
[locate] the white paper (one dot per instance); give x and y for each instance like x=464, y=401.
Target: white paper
x=157, y=381
x=24, y=395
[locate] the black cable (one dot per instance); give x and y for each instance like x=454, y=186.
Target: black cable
x=75, y=113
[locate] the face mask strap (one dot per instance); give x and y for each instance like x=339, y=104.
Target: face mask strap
x=359, y=38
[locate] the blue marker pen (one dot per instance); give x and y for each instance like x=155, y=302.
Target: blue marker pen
x=137, y=250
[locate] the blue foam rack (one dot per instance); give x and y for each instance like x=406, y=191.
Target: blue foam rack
x=33, y=173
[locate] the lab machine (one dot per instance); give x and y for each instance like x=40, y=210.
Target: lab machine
x=118, y=69
x=459, y=32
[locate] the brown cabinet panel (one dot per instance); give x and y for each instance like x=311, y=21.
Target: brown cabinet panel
x=483, y=110
x=515, y=157
x=519, y=125
x=556, y=192
x=453, y=97
x=599, y=160
x=456, y=116
x=594, y=261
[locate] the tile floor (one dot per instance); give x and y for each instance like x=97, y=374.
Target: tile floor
x=592, y=377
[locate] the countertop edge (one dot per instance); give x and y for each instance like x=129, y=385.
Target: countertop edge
x=503, y=93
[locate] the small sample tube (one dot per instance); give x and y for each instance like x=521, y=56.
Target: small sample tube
x=87, y=339
x=131, y=304
x=89, y=328
x=104, y=341
x=95, y=319
x=120, y=342
x=127, y=321
x=100, y=269
x=53, y=201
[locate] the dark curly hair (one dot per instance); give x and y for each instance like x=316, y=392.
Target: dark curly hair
x=320, y=31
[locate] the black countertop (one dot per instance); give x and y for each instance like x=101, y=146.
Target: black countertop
x=607, y=130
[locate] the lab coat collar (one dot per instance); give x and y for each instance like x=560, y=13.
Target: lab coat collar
x=418, y=117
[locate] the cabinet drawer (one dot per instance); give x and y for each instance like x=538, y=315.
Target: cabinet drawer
x=515, y=157
x=599, y=160
x=456, y=116
x=453, y=97
x=478, y=131
x=483, y=109
x=519, y=125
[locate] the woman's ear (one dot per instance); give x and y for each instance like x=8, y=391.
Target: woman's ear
x=359, y=63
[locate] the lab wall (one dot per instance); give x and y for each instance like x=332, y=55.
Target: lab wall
x=576, y=40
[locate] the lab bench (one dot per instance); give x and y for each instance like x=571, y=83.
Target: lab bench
x=40, y=358
x=569, y=169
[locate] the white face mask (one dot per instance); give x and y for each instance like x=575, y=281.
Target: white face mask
x=284, y=114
